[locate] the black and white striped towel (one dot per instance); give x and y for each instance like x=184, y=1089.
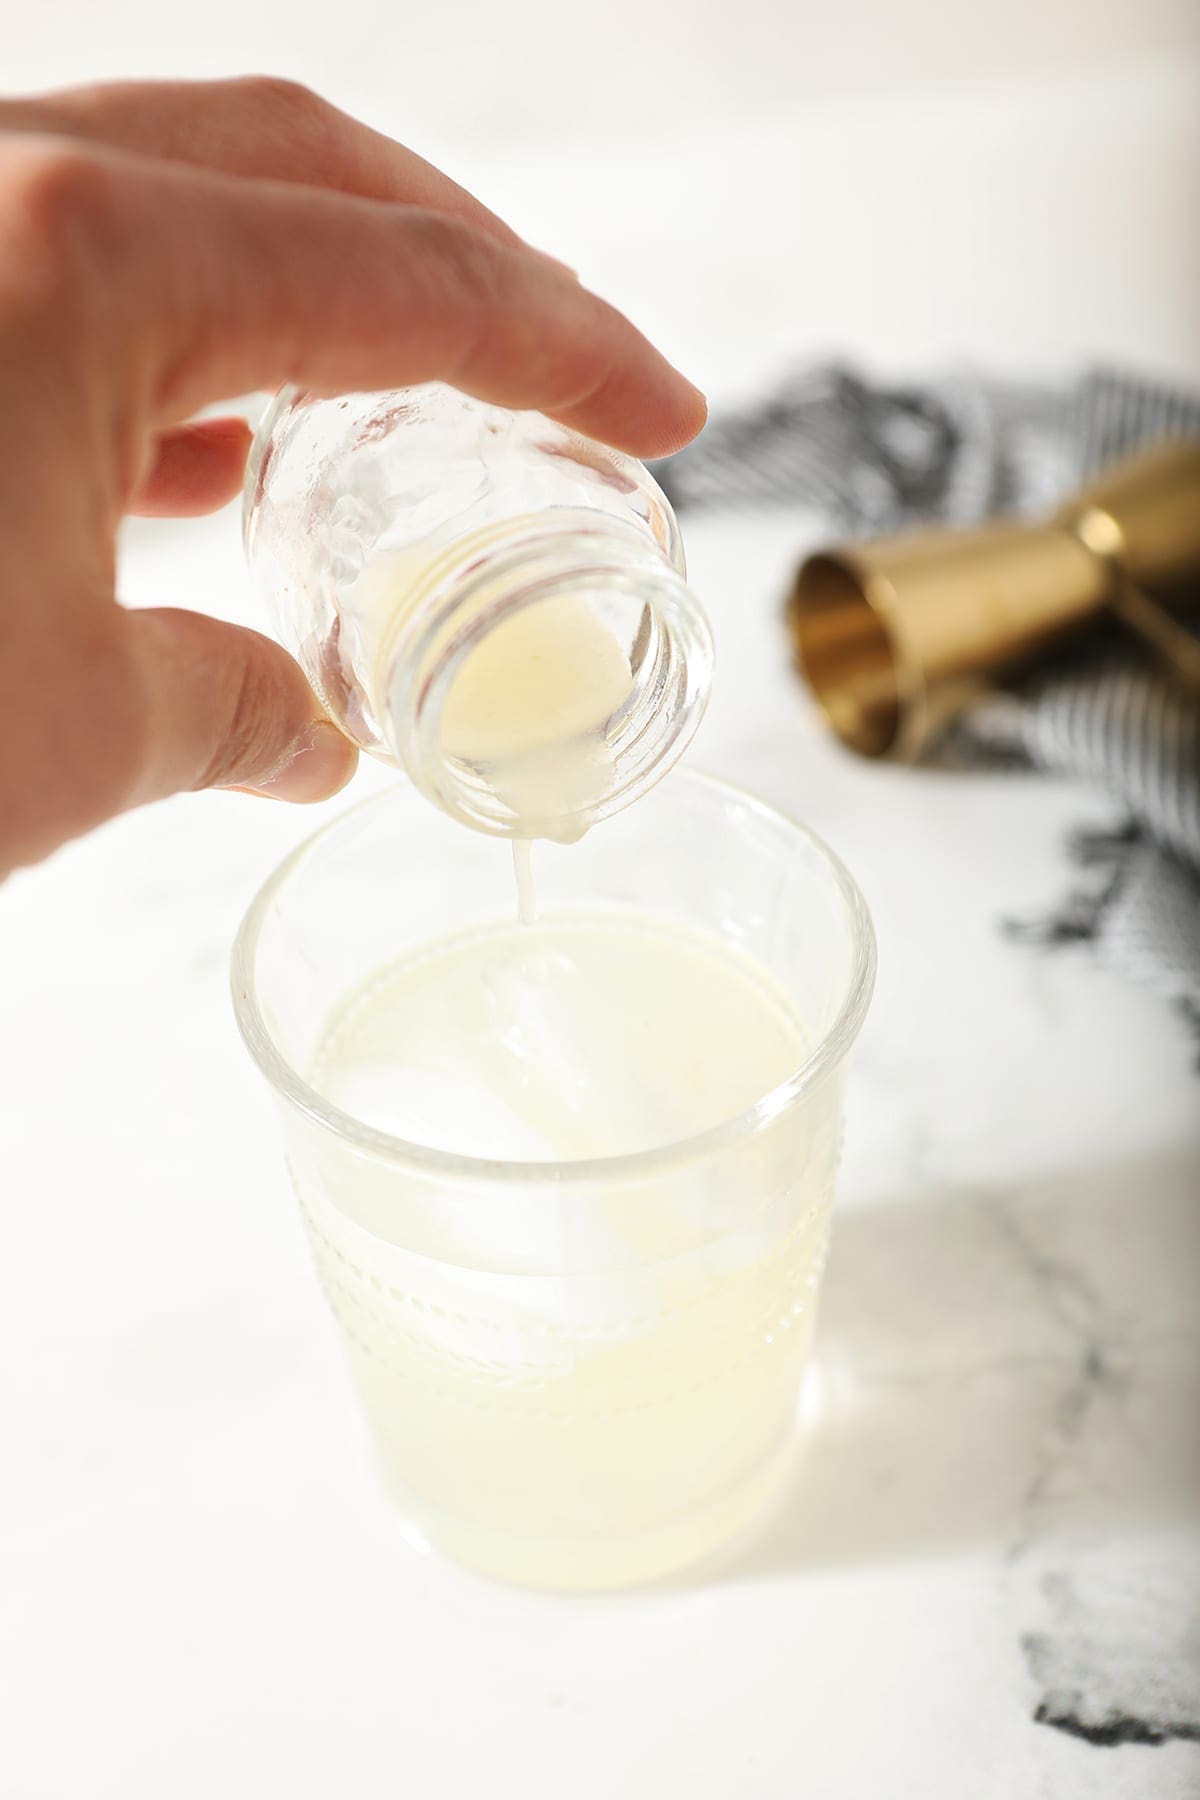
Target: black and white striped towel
x=871, y=460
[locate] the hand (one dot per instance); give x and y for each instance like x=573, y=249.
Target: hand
x=162, y=247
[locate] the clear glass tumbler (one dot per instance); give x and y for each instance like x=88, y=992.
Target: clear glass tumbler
x=576, y=1374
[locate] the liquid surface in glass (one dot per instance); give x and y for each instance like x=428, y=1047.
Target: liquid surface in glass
x=578, y=1036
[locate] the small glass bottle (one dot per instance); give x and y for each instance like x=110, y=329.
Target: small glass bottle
x=486, y=599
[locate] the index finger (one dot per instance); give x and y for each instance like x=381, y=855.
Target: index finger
x=255, y=125
x=227, y=284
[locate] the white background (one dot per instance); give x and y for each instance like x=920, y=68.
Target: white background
x=200, y=1593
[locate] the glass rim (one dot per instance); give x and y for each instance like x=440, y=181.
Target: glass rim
x=827, y=1053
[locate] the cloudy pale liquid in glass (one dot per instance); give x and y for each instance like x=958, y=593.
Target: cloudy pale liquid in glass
x=579, y=1392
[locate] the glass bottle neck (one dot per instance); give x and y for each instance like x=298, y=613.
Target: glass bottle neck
x=544, y=671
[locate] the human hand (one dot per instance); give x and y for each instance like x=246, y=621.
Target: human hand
x=164, y=246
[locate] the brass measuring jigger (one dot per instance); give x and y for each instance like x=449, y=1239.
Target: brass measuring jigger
x=896, y=635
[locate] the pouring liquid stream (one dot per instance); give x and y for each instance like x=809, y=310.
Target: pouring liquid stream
x=529, y=709
x=522, y=854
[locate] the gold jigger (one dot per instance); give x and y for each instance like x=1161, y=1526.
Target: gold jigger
x=895, y=635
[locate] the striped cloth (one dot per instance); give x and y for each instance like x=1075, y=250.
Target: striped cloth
x=868, y=460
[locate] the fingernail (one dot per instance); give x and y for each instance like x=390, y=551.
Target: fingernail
x=319, y=763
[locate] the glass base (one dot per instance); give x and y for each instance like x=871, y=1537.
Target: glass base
x=595, y=1564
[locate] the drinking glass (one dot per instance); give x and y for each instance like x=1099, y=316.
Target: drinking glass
x=576, y=1374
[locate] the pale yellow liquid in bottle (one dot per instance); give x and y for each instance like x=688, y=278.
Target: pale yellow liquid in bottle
x=529, y=707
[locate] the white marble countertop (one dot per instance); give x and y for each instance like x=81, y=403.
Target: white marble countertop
x=986, y=1568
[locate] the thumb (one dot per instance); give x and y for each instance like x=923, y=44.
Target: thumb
x=227, y=707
